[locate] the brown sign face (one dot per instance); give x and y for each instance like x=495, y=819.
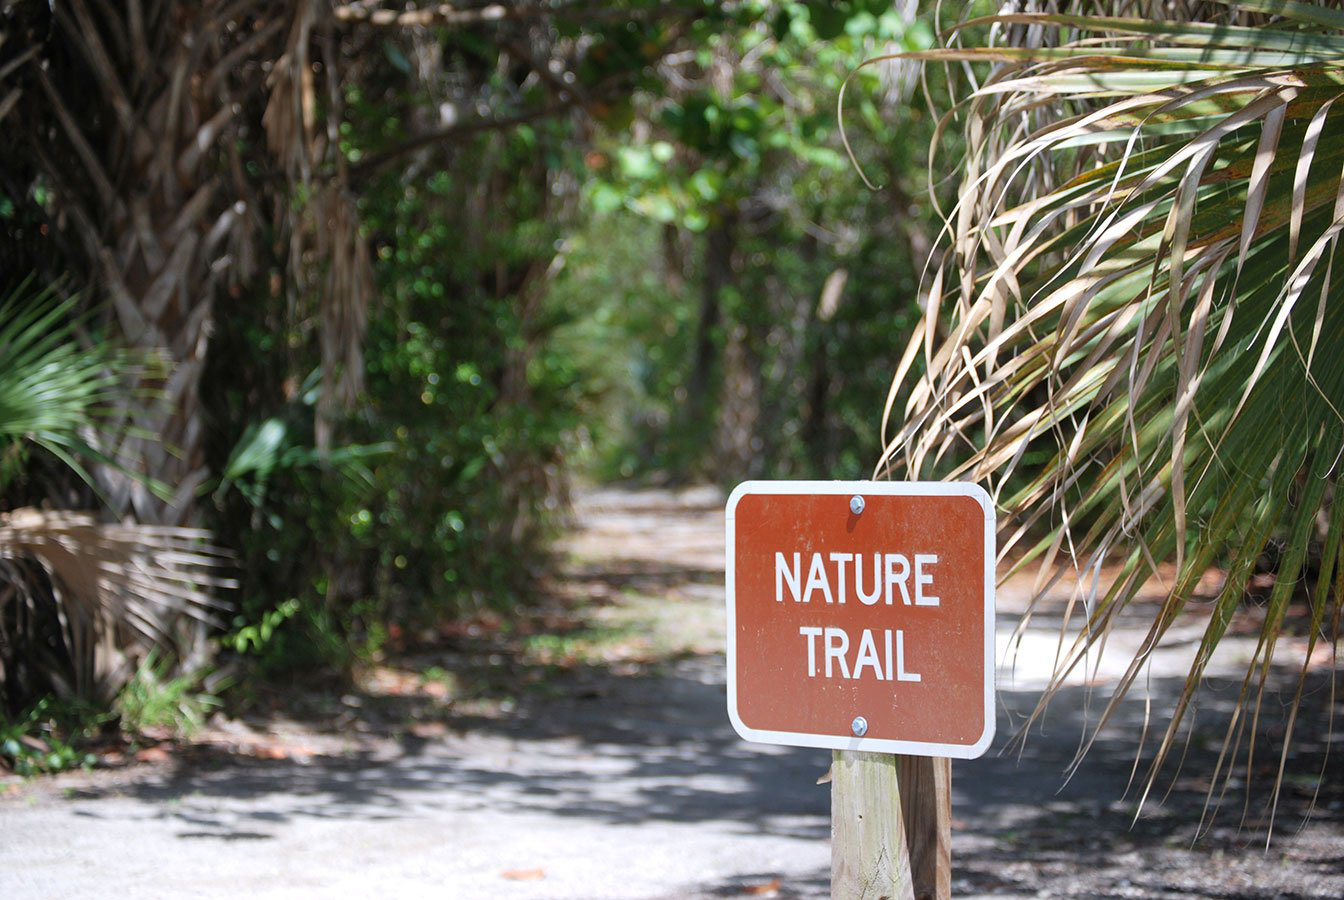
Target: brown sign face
x=869, y=601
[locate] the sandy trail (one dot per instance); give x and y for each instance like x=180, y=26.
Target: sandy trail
x=624, y=780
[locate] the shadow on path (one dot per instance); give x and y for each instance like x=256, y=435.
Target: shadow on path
x=628, y=782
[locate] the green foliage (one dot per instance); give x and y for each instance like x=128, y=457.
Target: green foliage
x=745, y=155
x=438, y=502
x=270, y=446
x=627, y=332
x=253, y=638
x=767, y=125
x=43, y=739
x=156, y=698
x=463, y=383
x=53, y=390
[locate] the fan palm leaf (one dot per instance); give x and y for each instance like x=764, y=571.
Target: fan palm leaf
x=51, y=388
x=118, y=589
x=1138, y=284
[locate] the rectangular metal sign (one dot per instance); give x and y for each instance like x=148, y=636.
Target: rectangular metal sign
x=861, y=615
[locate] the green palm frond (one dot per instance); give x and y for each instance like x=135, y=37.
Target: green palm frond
x=1138, y=283
x=53, y=390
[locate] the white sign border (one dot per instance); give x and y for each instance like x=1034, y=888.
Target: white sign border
x=868, y=488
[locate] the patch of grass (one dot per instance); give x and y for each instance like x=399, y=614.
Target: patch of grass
x=590, y=644
x=154, y=699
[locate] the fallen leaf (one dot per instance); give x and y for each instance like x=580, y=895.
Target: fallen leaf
x=524, y=874
x=270, y=751
x=428, y=730
x=152, y=755
x=769, y=889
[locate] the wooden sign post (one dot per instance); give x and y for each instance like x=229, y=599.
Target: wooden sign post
x=861, y=619
x=891, y=826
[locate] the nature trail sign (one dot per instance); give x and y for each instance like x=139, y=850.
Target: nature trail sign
x=861, y=619
x=885, y=615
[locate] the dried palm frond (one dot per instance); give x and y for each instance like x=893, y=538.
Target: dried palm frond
x=120, y=589
x=1137, y=285
x=328, y=256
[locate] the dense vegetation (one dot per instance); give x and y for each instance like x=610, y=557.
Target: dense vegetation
x=379, y=287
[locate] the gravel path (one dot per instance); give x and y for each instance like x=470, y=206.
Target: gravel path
x=622, y=779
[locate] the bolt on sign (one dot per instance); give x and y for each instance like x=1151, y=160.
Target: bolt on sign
x=861, y=615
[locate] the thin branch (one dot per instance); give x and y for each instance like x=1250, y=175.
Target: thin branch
x=457, y=132
x=8, y=102
x=83, y=150
x=444, y=14
x=556, y=80
x=17, y=61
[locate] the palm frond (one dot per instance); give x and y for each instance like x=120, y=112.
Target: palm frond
x=121, y=589
x=113, y=591
x=1138, y=283
x=53, y=390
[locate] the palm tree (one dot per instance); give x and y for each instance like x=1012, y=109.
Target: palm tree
x=142, y=123
x=1137, y=285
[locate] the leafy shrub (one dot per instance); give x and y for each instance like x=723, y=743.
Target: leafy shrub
x=42, y=740
x=447, y=483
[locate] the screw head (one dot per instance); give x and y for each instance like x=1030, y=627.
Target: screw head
x=859, y=726
x=856, y=504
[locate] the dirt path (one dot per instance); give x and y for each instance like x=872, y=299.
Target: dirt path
x=611, y=772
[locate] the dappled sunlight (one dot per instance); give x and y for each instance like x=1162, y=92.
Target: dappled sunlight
x=629, y=751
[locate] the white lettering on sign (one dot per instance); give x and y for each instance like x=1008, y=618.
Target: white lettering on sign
x=891, y=576
x=890, y=570
x=840, y=559
x=816, y=578
x=784, y=573
x=835, y=646
x=895, y=577
x=921, y=560
x=864, y=598
x=837, y=642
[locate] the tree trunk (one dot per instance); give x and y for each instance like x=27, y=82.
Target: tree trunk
x=739, y=446
x=720, y=242
x=139, y=103
x=816, y=429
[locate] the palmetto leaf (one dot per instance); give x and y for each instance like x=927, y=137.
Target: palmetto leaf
x=53, y=390
x=1138, y=281
x=117, y=588
x=119, y=585
x=49, y=386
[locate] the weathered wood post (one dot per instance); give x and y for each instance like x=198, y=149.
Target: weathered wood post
x=891, y=827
